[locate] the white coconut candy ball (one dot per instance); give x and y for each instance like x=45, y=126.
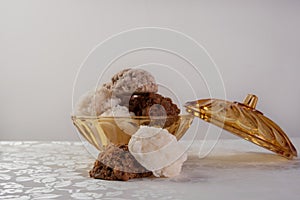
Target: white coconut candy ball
x=96, y=102
x=122, y=118
x=158, y=151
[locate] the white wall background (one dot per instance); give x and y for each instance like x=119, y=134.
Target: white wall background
x=255, y=44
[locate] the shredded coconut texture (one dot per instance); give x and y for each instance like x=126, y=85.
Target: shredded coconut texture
x=96, y=102
x=158, y=151
x=118, y=111
x=125, y=124
x=129, y=81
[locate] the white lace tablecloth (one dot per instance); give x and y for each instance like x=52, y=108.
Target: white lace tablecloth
x=235, y=169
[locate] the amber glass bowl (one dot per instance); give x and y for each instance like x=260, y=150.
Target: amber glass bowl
x=101, y=131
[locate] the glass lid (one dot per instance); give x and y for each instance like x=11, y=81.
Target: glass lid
x=243, y=120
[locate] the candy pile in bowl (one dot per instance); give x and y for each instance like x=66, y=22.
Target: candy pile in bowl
x=135, y=128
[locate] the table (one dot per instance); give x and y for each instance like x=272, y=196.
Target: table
x=235, y=169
